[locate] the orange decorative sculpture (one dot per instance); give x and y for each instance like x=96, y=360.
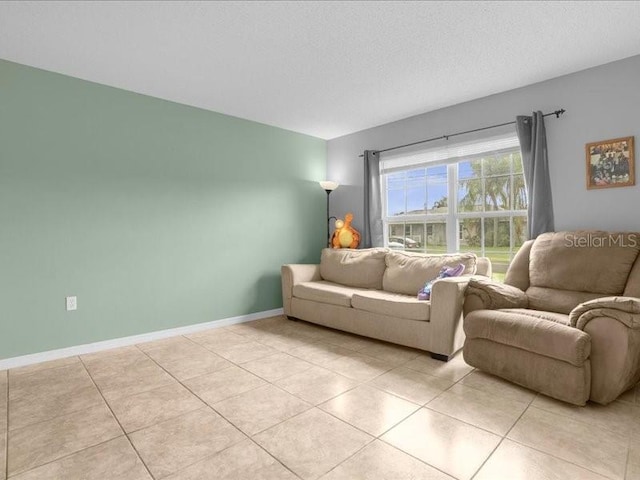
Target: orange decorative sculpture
x=345, y=236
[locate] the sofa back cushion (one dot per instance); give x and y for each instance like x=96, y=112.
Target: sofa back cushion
x=407, y=273
x=583, y=261
x=354, y=268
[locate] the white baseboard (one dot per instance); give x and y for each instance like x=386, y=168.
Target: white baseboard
x=30, y=359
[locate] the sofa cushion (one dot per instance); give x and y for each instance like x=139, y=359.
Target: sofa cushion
x=392, y=304
x=407, y=273
x=556, y=300
x=354, y=268
x=560, y=318
x=325, y=292
x=583, y=261
x=526, y=330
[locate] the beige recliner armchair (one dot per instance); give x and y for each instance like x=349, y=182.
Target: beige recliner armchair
x=566, y=321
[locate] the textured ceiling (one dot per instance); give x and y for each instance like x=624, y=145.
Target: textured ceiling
x=322, y=68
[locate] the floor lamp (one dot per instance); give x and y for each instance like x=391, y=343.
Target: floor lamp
x=328, y=186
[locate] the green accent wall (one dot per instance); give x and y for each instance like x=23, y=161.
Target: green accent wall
x=155, y=214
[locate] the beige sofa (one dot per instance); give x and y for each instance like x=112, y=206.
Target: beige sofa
x=372, y=292
x=567, y=320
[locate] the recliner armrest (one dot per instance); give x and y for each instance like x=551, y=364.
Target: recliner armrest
x=623, y=309
x=613, y=323
x=484, y=294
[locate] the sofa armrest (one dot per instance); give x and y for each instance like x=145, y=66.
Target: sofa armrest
x=625, y=310
x=484, y=294
x=293, y=274
x=447, y=297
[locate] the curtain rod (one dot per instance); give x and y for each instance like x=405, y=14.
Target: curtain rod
x=557, y=113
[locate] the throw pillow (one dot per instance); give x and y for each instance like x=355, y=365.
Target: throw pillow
x=445, y=272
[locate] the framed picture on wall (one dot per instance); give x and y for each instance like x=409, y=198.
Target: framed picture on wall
x=610, y=163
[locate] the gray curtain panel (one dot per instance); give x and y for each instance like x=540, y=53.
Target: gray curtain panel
x=372, y=235
x=533, y=145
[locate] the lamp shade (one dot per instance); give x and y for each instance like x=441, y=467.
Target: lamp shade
x=329, y=185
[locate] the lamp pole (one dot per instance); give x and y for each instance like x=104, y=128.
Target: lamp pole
x=329, y=220
x=328, y=186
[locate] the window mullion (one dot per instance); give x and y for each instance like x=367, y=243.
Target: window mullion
x=453, y=241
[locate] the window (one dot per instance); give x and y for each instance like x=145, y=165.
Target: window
x=465, y=198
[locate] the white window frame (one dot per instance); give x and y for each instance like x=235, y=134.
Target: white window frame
x=453, y=217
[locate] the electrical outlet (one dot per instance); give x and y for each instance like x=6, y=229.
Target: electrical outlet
x=72, y=303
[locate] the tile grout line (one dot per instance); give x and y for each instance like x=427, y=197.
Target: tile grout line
x=426, y=405
x=70, y=413
x=272, y=383
x=234, y=364
x=574, y=419
x=328, y=343
x=462, y=421
x=45, y=420
x=471, y=387
x=503, y=438
x=626, y=462
x=312, y=406
x=530, y=404
x=349, y=457
x=535, y=448
x=375, y=437
x=28, y=425
x=313, y=341
x=273, y=456
x=137, y=348
x=116, y=419
x=416, y=458
x=65, y=456
x=421, y=405
x=379, y=438
x=239, y=365
x=44, y=369
x=562, y=459
x=207, y=405
x=361, y=383
x=322, y=340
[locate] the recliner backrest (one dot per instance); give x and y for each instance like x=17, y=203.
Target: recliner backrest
x=518, y=271
x=568, y=268
x=633, y=282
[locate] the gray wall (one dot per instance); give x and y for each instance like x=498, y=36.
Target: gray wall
x=601, y=103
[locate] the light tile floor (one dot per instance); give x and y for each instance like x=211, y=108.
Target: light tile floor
x=276, y=399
